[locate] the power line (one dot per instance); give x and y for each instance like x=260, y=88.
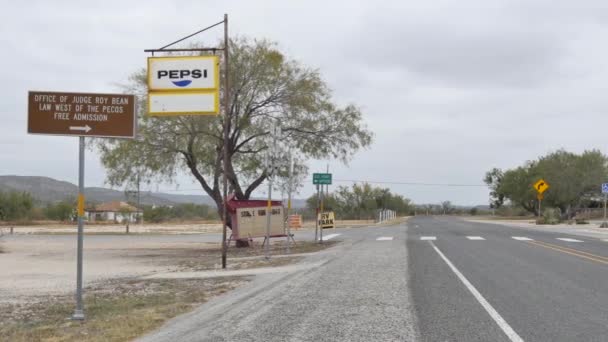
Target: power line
x=371, y=182
x=409, y=183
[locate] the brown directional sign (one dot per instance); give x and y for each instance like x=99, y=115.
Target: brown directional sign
x=81, y=114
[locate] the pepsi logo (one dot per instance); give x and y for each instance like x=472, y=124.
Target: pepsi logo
x=182, y=78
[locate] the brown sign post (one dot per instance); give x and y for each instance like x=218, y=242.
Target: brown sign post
x=81, y=114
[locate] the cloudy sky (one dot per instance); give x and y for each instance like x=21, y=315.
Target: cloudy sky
x=450, y=88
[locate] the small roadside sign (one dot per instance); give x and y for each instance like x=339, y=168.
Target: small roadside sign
x=326, y=220
x=541, y=186
x=81, y=114
x=321, y=178
x=605, y=188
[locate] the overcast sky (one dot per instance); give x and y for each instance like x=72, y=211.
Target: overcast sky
x=450, y=88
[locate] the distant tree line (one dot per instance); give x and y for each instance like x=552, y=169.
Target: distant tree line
x=575, y=182
x=15, y=205
x=186, y=211
x=361, y=202
x=21, y=206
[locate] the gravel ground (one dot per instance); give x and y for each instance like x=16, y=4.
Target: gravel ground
x=356, y=291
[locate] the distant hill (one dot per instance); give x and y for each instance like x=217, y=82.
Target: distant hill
x=45, y=190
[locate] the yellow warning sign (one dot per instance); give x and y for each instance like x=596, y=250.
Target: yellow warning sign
x=541, y=186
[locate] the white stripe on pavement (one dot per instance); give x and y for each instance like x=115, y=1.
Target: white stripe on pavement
x=428, y=238
x=569, y=240
x=384, y=238
x=475, y=238
x=506, y=328
x=330, y=236
x=521, y=238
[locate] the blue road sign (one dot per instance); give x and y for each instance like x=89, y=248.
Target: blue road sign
x=605, y=188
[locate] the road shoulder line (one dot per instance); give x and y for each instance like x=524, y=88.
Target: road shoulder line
x=506, y=328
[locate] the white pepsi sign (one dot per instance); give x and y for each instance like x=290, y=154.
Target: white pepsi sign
x=183, y=73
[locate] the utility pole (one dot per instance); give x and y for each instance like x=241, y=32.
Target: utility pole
x=226, y=141
x=141, y=219
x=268, y=214
x=289, y=190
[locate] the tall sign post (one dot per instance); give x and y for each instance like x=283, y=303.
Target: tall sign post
x=273, y=161
x=317, y=216
x=605, y=193
x=190, y=85
x=540, y=186
x=289, y=190
x=320, y=179
x=82, y=115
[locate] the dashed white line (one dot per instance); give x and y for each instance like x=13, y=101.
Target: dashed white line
x=330, y=236
x=506, y=328
x=521, y=238
x=428, y=238
x=569, y=240
x=385, y=238
x=475, y=238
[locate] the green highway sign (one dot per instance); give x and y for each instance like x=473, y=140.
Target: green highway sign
x=321, y=178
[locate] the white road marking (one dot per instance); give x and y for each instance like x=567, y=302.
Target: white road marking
x=330, y=236
x=569, y=240
x=428, y=238
x=475, y=238
x=506, y=328
x=384, y=238
x=605, y=240
x=521, y=238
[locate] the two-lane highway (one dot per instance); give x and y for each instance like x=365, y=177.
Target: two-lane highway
x=432, y=279
x=482, y=282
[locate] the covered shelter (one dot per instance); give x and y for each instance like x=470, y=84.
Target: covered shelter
x=248, y=219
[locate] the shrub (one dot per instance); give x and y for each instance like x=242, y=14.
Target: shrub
x=550, y=216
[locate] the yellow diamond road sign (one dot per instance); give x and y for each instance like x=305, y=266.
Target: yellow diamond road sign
x=541, y=186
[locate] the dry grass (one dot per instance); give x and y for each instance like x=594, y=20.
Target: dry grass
x=123, y=309
x=119, y=310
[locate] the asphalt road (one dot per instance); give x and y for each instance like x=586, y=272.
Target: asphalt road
x=434, y=279
x=543, y=288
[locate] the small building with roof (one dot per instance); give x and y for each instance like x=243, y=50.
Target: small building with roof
x=116, y=211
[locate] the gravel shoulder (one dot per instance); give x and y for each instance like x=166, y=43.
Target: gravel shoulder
x=355, y=291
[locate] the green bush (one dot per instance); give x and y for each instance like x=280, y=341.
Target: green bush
x=15, y=206
x=551, y=216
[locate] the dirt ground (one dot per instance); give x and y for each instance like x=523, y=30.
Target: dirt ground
x=186, y=228
x=34, y=267
x=148, y=228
